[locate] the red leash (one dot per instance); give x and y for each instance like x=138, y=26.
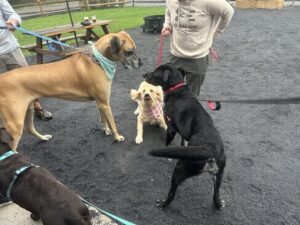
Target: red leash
x=214, y=55
x=213, y=105
x=160, y=51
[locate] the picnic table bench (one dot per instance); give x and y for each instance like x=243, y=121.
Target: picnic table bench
x=57, y=33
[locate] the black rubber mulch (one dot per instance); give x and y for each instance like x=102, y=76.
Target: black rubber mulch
x=259, y=58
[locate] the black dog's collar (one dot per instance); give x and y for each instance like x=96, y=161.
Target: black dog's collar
x=7, y=155
x=15, y=177
x=175, y=87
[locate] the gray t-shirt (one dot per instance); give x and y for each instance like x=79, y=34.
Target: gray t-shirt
x=8, y=42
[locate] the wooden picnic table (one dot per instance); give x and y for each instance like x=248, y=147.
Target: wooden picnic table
x=57, y=32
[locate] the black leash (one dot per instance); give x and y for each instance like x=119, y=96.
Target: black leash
x=216, y=104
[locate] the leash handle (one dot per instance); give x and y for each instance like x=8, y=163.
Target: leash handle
x=160, y=51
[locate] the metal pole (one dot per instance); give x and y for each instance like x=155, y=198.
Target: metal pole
x=69, y=11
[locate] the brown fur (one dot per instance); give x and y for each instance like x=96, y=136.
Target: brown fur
x=77, y=78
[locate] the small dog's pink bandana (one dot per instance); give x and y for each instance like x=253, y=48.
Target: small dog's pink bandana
x=155, y=111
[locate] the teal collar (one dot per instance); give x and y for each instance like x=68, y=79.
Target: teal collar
x=16, y=175
x=108, y=65
x=7, y=154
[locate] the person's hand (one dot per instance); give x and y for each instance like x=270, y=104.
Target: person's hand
x=11, y=24
x=165, y=32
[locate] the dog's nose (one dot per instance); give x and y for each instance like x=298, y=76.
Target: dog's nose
x=146, y=97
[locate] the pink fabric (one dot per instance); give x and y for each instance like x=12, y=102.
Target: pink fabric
x=155, y=112
x=214, y=54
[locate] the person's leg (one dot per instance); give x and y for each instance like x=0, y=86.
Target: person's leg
x=3, y=67
x=195, y=71
x=196, y=75
x=16, y=59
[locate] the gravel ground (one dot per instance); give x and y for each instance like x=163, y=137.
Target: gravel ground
x=259, y=58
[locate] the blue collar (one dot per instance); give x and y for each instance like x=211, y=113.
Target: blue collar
x=106, y=64
x=7, y=154
x=16, y=175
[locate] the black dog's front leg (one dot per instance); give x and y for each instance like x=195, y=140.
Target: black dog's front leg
x=171, y=132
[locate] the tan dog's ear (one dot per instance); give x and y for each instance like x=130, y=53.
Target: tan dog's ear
x=115, y=45
x=135, y=95
x=4, y=136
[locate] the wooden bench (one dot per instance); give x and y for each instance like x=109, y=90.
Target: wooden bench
x=31, y=47
x=63, y=53
x=57, y=32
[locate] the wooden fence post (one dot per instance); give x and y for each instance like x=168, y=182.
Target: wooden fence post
x=41, y=7
x=85, y=4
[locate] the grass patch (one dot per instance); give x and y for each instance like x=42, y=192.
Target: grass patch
x=124, y=18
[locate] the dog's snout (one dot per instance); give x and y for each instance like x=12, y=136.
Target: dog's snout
x=147, y=97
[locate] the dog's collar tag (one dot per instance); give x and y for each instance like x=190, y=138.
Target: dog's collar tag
x=7, y=154
x=108, y=65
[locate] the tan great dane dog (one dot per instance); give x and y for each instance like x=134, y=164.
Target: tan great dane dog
x=77, y=78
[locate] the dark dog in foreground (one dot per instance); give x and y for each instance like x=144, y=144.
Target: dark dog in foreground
x=185, y=115
x=37, y=190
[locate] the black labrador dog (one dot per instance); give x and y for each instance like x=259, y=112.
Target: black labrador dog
x=184, y=114
x=37, y=190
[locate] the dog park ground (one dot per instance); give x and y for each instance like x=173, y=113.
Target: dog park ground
x=259, y=58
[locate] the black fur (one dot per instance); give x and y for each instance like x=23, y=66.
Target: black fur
x=115, y=45
x=39, y=192
x=185, y=115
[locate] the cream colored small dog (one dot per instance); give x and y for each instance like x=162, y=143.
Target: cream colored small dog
x=149, y=110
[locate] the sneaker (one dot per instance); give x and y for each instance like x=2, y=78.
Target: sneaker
x=43, y=114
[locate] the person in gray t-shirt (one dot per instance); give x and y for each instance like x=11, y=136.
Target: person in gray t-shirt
x=11, y=56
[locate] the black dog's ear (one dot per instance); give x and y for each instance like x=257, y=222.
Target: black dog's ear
x=115, y=45
x=182, y=71
x=4, y=136
x=166, y=75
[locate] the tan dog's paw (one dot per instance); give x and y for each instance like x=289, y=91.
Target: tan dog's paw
x=163, y=125
x=138, y=139
x=119, y=138
x=136, y=112
x=46, y=137
x=107, y=131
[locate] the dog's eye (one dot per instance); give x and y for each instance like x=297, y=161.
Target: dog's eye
x=144, y=91
x=151, y=90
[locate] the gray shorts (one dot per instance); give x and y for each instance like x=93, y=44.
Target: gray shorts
x=195, y=71
x=12, y=60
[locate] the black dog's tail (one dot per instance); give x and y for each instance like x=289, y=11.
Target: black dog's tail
x=186, y=153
